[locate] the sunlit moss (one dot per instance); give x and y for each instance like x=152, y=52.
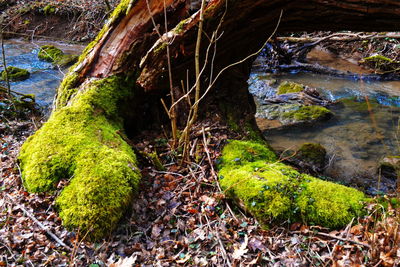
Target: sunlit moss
x=289, y=87
x=50, y=53
x=80, y=142
x=68, y=86
x=308, y=113
x=377, y=58
x=275, y=193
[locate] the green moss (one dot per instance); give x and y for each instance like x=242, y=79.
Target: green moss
x=67, y=60
x=307, y=113
x=161, y=47
x=50, y=53
x=311, y=152
x=15, y=74
x=289, y=87
x=275, y=193
x=49, y=9
x=243, y=152
x=377, y=58
x=68, y=86
x=181, y=25
x=81, y=142
x=66, y=89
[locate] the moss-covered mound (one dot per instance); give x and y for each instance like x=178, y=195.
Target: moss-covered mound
x=308, y=113
x=81, y=142
x=289, y=87
x=275, y=193
x=52, y=54
x=15, y=74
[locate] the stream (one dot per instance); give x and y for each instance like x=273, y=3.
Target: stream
x=44, y=78
x=356, y=139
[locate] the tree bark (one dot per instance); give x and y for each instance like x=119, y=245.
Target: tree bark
x=128, y=56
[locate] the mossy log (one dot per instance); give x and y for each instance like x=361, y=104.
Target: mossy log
x=274, y=192
x=108, y=91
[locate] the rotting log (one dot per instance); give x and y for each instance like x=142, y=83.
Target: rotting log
x=122, y=74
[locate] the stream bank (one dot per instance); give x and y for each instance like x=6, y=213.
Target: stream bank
x=65, y=21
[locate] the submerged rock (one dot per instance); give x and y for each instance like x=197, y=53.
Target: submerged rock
x=389, y=167
x=15, y=74
x=307, y=114
x=292, y=114
x=313, y=155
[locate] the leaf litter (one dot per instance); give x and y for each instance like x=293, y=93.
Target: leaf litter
x=179, y=217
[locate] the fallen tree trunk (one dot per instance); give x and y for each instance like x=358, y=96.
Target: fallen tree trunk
x=121, y=76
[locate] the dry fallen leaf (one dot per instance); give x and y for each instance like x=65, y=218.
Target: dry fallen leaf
x=125, y=262
x=239, y=252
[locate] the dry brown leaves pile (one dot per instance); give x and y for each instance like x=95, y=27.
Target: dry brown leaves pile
x=180, y=217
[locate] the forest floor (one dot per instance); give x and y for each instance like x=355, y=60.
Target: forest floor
x=179, y=217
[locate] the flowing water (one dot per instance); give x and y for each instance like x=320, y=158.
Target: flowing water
x=356, y=138
x=44, y=78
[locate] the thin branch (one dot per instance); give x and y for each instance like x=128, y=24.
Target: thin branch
x=241, y=61
x=5, y=64
x=30, y=215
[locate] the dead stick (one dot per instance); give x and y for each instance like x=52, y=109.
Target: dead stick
x=30, y=215
x=213, y=172
x=334, y=237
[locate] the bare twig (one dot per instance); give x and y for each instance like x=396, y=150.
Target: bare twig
x=41, y=225
x=333, y=237
x=5, y=64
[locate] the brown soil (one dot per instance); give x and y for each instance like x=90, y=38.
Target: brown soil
x=69, y=21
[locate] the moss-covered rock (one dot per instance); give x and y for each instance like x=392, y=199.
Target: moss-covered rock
x=15, y=74
x=275, y=193
x=52, y=54
x=312, y=153
x=67, y=60
x=308, y=113
x=81, y=142
x=289, y=87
